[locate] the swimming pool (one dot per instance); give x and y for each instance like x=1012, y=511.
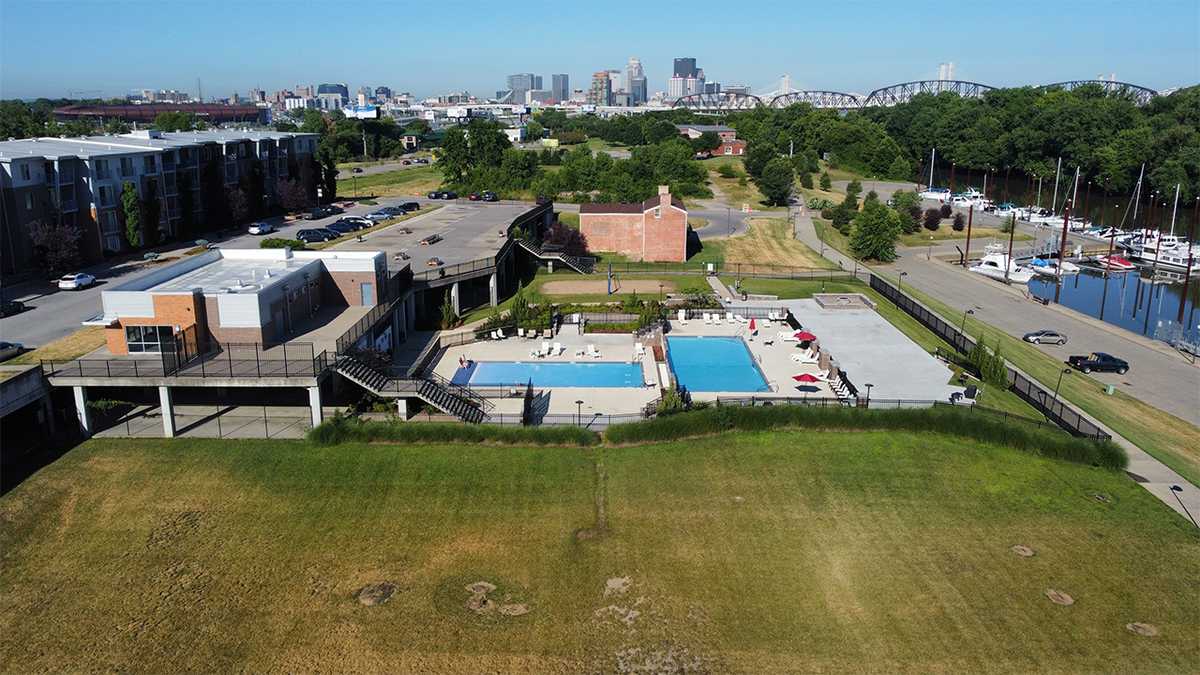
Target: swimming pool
x=714, y=364
x=551, y=374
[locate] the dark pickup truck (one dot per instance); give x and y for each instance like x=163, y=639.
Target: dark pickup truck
x=1100, y=362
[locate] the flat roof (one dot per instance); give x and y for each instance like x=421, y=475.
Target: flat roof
x=98, y=146
x=226, y=275
x=469, y=231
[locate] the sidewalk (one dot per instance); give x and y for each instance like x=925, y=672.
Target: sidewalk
x=1156, y=477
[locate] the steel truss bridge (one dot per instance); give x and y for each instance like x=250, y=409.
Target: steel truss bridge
x=891, y=95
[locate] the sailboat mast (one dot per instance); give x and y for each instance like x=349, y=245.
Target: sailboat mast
x=1175, y=209
x=932, y=161
x=1057, y=173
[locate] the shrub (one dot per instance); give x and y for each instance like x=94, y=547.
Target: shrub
x=1006, y=226
x=945, y=211
x=932, y=220
x=806, y=180
x=826, y=183
x=727, y=171
x=819, y=204
x=958, y=421
x=279, y=242
x=341, y=429
x=959, y=223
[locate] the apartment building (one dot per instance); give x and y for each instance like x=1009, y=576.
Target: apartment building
x=78, y=181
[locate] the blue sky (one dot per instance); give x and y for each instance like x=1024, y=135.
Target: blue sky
x=50, y=48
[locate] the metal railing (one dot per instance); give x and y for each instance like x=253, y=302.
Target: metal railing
x=882, y=404
x=1054, y=408
x=225, y=360
x=586, y=420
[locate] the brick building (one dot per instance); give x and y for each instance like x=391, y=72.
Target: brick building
x=236, y=296
x=655, y=230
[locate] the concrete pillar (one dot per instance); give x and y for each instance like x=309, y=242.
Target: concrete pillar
x=454, y=298
x=550, y=266
x=48, y=413
x=397, y=328
x=494, y=289
x=402, y=409
x=314, y=404
x=168, y=411
x=81, y=411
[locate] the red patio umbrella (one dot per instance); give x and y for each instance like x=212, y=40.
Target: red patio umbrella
x=805, y=377
x=752, y=326
x=805, y=335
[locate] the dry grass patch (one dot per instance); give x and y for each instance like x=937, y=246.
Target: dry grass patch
x=73, y=346
x=769, y=242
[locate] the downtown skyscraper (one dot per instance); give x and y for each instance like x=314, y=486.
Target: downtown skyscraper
x=635, y=82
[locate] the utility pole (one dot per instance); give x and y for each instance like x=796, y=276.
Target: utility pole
x=970, y=217
x=932, y=161
x=1012, y=231
x=1062, y=247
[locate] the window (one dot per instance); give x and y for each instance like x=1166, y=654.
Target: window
x=728, y=149
x=126, y=166
x=658, y=212
x=106, y=195
x=101, y=168
x=28, y=201
x=24, y=172
x=148, y=339
x=148, y=165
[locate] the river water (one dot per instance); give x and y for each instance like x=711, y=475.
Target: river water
x=1127, y=299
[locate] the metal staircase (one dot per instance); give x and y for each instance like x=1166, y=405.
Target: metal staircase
x=435, y=390
x=583, y=265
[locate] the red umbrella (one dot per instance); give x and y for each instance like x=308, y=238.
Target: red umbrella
x=805, y=377
x=805, y=335
x=752, y=326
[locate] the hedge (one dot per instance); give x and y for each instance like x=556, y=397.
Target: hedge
x=342, y=429
x=279, y=242
x=959, y=421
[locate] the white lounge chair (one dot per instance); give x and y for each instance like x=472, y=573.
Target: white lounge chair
x=579, y=353
x=592, y=352
x=558, y=349
x=787, y=336
x=546, y=348
x=639, y=349
x=683, y=317
x=806, y=357
x=533, y=354
x=716, y=319
x=493, y=335
x=500, y=333
x=520, y=332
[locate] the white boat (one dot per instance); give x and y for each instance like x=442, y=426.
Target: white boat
x=1173, y=258
x=940, y=194
x=995, y=262
x=1050, y=267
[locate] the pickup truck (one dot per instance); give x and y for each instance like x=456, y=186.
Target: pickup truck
x=1098, y=361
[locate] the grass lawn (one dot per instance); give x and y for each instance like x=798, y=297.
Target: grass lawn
x=769, y=241
x=734, y=195
x=829, y=234
x=81, y=342
x=569, y=218
x=792, y=289
x=794, y=551
x=410, y=182
x=1170, y=440
x=982, y=235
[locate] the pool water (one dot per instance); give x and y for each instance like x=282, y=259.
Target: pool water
x=714, y=364
x=551, y=374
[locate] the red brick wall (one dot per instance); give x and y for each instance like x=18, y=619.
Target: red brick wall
x=616, y=232
x=169, y=310
x=666, y=237
x=664, y=240
x=342, y=288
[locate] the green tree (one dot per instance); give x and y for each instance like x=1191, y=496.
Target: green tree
x=660, y=131
x=932, y=220
x=55, y=246
x=131, y=209
x=873, y=234
x=806, y=180
x=826, y=183
x=177, y=121
x=776, y=181
x=900, y=169
x=329, y=173
x=708, y=140
x=534, y=130
x=757, y=157
x=449, y=318
x=455, y=157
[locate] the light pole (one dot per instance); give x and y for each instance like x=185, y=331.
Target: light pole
x=1064, y=371
x=962, y=329
x=929, y=251
x=660, y=292
x=578, y=412
x=900, y=284
x=1175, y=489
x=868, y=386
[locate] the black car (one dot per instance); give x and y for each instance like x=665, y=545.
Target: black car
x=435, y=195
x=1045, y=337
x=1100, y=362
x=489, y=196
x=410, y=206
x=342, y=228
x=446, y=194
x=11, y=308
x=394, y=210
x=316, y=235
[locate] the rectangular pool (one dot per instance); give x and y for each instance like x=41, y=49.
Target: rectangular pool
x=551, y=374
x=714, y=364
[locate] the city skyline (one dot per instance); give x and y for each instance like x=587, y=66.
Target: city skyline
x=1108, y=39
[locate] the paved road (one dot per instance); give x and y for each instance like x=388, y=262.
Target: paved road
x=378, y=168
x=1157, y=478
x=55, y=313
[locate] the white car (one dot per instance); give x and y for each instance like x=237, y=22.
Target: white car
x=75, y=282
x=261, y=228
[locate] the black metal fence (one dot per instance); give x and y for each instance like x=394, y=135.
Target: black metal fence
x=293, y=359
x=728, y=269
x=882, y=404
x=1045, y=402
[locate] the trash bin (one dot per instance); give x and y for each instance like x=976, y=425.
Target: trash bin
x=1109, y=389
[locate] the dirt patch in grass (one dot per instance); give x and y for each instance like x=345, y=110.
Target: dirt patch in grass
x=1023, y=551
x=586, y=287
x=376, y=593
x=617, y=586
x=481, y=601
x=769, y=241
x=1143, y=629
x=1059, y=598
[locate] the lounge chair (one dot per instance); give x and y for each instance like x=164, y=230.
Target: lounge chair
x=592, y=352
x=493, y=335
x=533, y=354
x=729, y=317
x=546, y=348
x=806, y=357
x=579, y=353
x=500, y=333
x=683, y=317
x=716, y=319
x=639, y=349
x=558, y=349
x=787, y=336
x=520, y=332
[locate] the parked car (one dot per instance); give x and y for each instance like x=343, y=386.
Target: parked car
x=474, y=196
x=357, y=169
x=362, y=223
x=1045, y=337
x=1100, y=362
x=261, y=228
x=446, y=194
x=316, y=235
x=341, y=228
x=406, y=163
x=434, y=195
x=434, y=262
x=379, y=216
x=394, y=210
x=11, y=308
x=410, y=206
x=10, y=349
x=75, y=282
x=489, y=196
x=421, y=160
